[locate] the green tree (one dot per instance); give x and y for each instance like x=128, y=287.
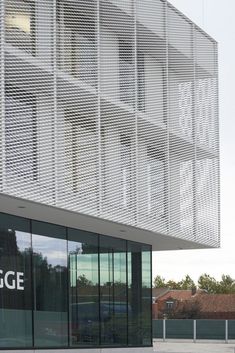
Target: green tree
x=159, y=282
x=187, y=283
x=208, y=283
x=171, y=284
x=205, y=282
x=226, y=285
x=82, y=281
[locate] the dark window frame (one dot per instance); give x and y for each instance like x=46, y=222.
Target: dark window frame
x=126, y=57
x=87, y=29
x=75, y=126
x=32, y=5
x=31, y=100
x=158, y=155
x=125, y=140
x=141, y=91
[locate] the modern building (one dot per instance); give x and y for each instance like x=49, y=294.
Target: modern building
x=109, y=151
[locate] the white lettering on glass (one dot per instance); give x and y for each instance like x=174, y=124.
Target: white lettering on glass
x=11, y=285
x=1, y=280
x=20, y=280
x=12, y=280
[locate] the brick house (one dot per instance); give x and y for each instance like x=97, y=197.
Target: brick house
x=168, y=303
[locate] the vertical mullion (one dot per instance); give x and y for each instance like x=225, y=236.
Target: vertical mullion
x=127, y=297
x=113, y=285
x=194, y=134
x=68, y=287
x=33, y=302
x=167, y=117
x=54, y=58
x=217, y=137
x=98, y=41
x=3, y=139
x=134, y=5
x=151, y=291
x=99, y=290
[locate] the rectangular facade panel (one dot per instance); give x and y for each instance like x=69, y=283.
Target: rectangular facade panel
x=181, y=123
x=109, y=108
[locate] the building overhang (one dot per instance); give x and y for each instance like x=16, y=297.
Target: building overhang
x=36, y=211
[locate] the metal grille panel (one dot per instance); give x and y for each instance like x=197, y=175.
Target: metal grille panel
x=110, y=108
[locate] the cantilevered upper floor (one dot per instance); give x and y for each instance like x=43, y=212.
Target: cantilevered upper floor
x=109, y=114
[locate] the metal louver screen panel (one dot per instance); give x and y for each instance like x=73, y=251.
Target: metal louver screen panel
x=110, y=108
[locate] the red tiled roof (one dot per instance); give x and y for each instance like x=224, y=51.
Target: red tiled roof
x=176, y=294
x=159, y=292
x=217, y=303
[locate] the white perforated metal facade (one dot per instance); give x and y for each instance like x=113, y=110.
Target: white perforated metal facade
x=110, y=108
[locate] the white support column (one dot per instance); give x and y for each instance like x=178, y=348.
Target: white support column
x=226, y=331
x=194, y=331
x=164, y=330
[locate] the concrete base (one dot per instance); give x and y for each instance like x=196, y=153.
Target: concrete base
x=94, y=350
x=127, y=350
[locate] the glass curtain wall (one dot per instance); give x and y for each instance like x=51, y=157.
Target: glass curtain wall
x=139, y=294
x=50, y=284
x=83, y=288
x=63, y=287
x=113, y=291
x=15, y=282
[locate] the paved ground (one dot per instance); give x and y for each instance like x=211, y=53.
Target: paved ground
x=189, y=347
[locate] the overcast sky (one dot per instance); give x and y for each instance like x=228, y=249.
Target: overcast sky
x=217, y=19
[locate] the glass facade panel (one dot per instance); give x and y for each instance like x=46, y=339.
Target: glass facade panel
x=113, y=291
x=50, y=285
x=15, y=282
x=139, y=295
x=146, y=328
x=63, y=287
x=83, y=288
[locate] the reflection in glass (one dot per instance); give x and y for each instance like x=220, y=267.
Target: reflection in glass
x=83, y=288
x=146, y=296
x=15, y=282
x=139, y=295
x=50, y=285
x=113, y=291
x=102, y=284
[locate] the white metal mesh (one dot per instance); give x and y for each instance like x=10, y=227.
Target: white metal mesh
x=110, y=108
